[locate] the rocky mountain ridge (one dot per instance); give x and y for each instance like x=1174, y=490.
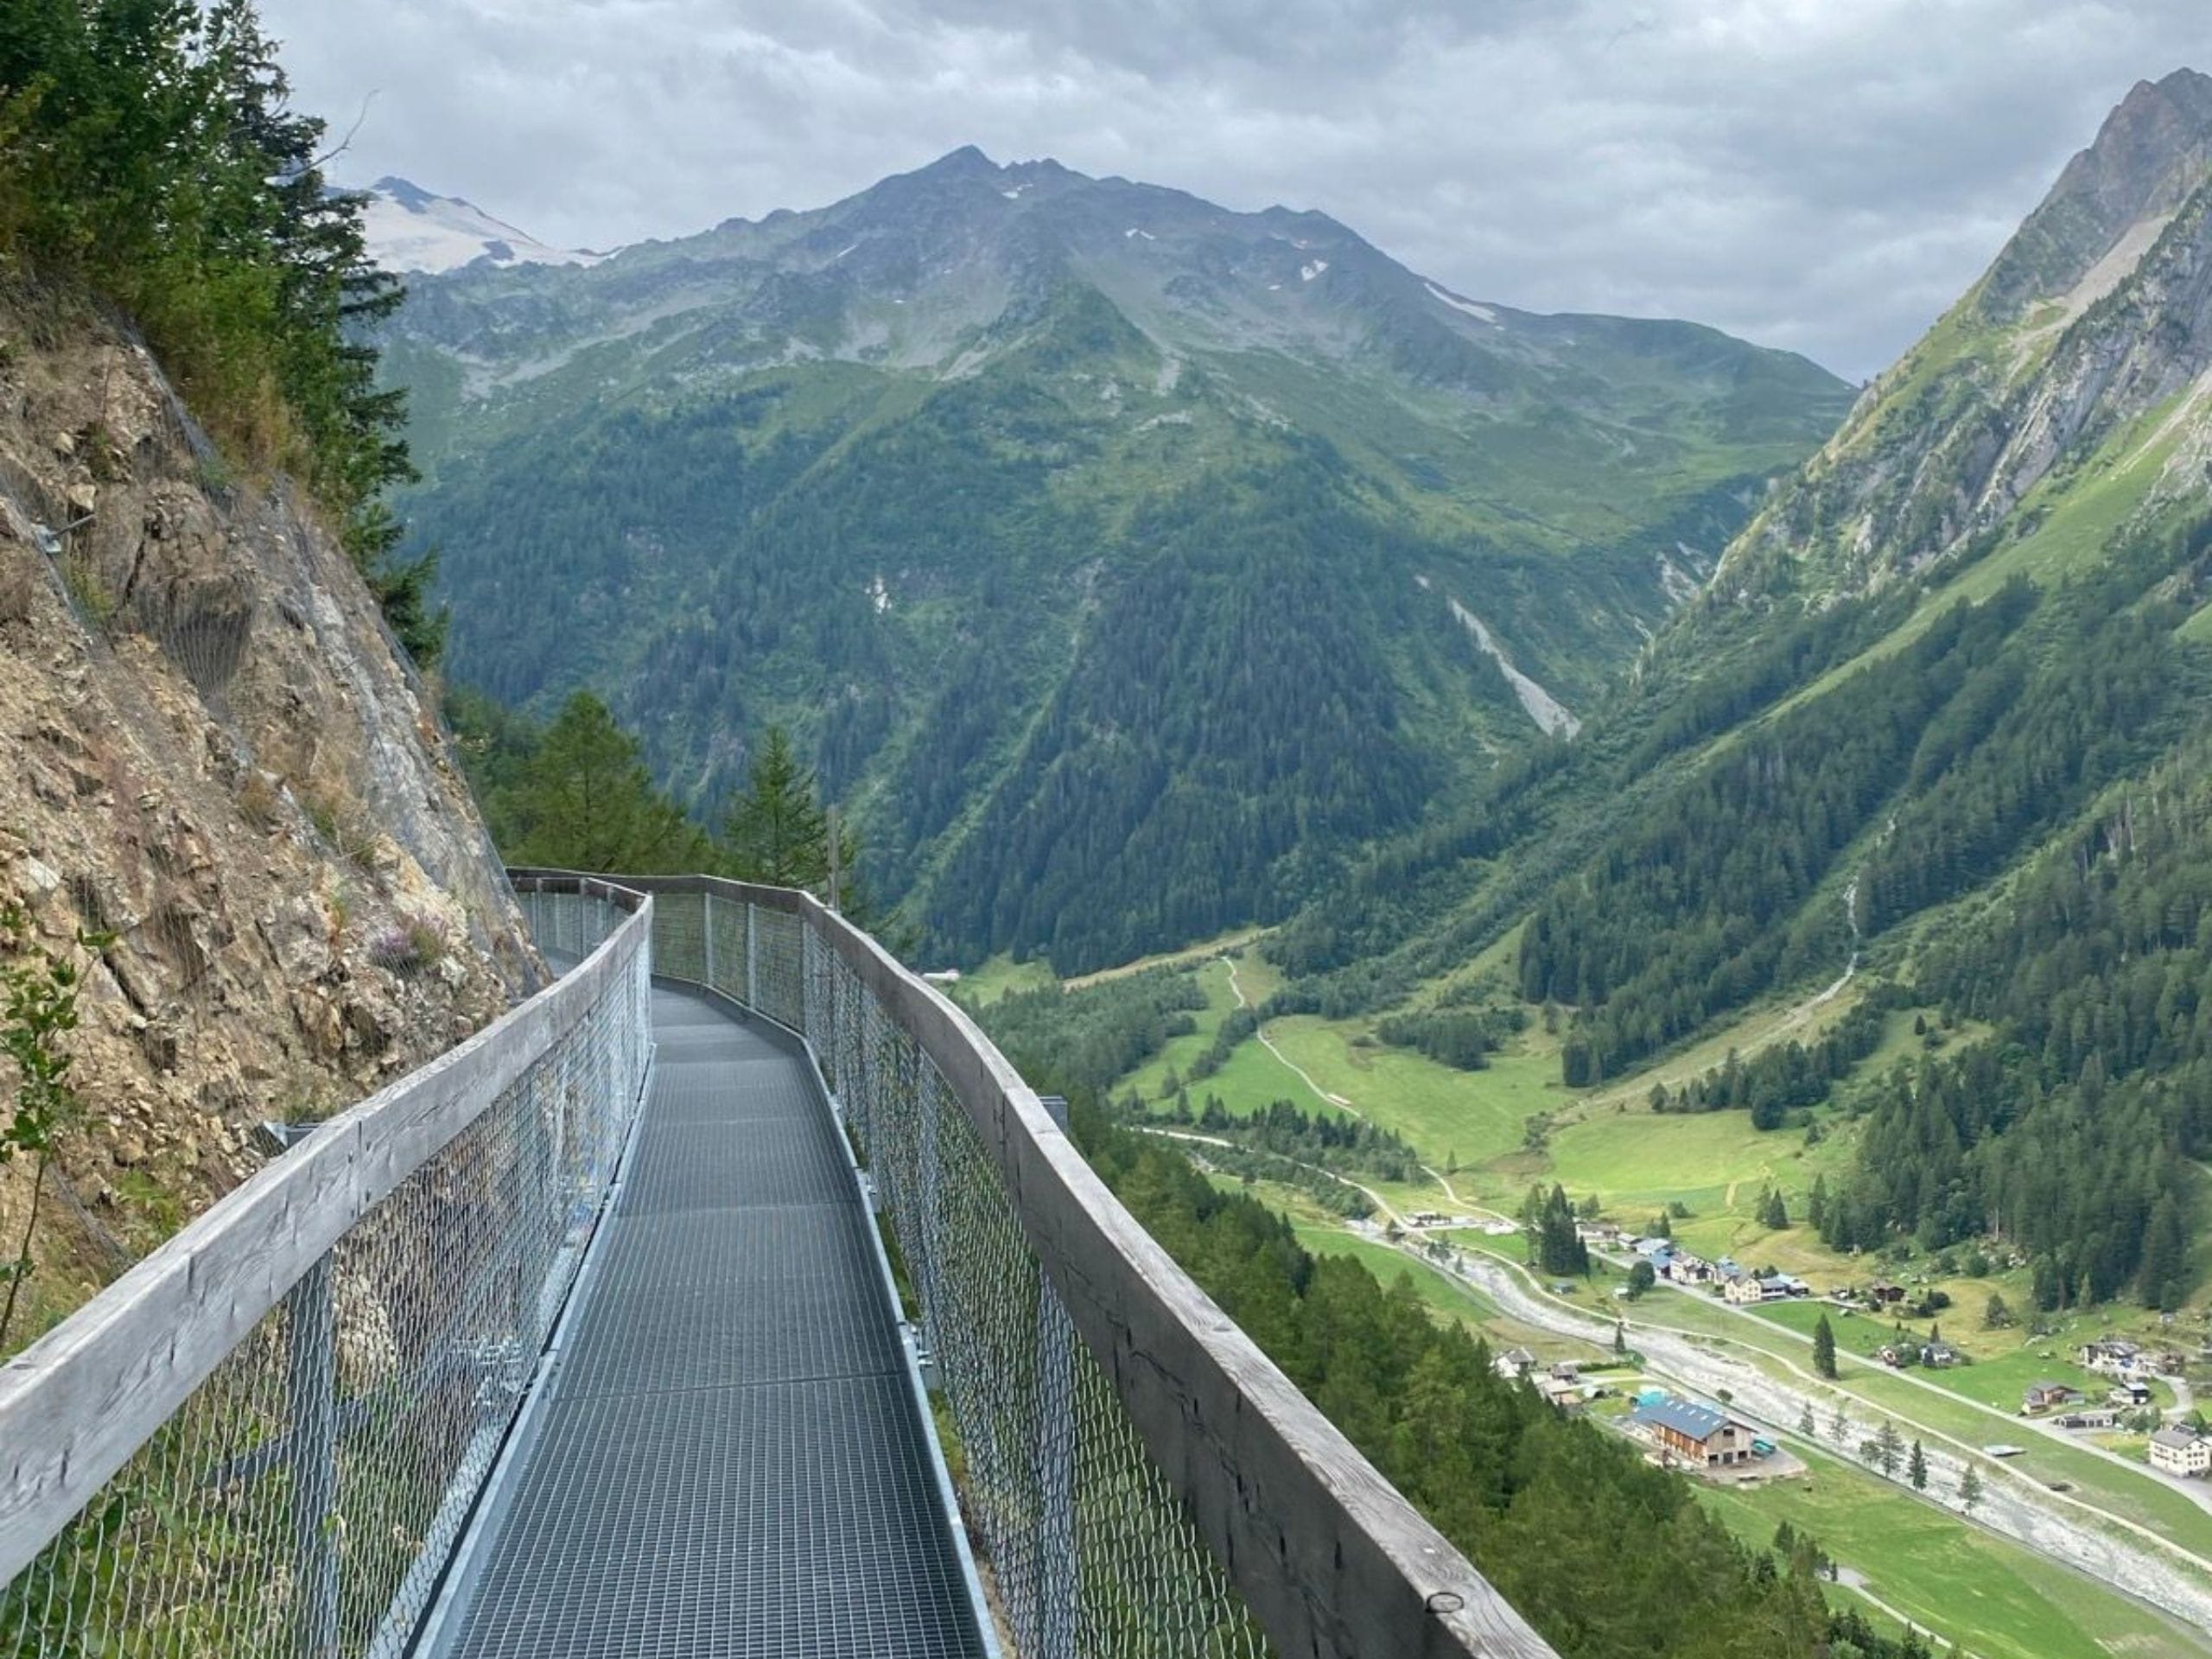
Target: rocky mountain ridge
x=2079, y=354
x=1078, y=528
x=954, y=263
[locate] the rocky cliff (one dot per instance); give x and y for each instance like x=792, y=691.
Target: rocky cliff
x=2072, y=374
x=212, y=753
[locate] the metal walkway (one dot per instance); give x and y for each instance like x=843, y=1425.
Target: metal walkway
x=725, y=1457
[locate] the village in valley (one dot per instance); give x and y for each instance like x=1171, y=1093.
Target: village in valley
x=2114, y=1390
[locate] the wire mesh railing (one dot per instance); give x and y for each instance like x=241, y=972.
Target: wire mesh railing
x=1138, y=1478
x=266, y=1437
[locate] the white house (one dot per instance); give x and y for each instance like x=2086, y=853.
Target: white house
x=2113, y=1355
x=2181, y=1451
x=1514, y=1364
x=1768, y=1287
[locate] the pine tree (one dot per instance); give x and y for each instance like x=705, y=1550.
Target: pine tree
x=1806, y=1426
x=775, y=833
x=1917, y=1469
x=1889, y=1448
x=1816, y=1203
x=1554, y=1244
x=2164, y=1276
x=1824, y=1347
x=1969, y=1489
x=582, y=800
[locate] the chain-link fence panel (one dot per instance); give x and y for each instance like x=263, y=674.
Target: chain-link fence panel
x=779, y=976
x=304, y=1496
x=1085, y=1548
x=1089, y=1550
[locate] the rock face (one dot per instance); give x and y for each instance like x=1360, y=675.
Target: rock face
x=2081, y=357
x=2148, y=158
x=213, y=753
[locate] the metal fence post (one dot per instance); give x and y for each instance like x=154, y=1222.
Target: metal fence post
x=1060, y=1586
x=311, y=1396
x=707, y=900
x=752, y=955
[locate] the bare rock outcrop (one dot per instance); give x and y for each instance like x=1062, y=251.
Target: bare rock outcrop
x=211, y=752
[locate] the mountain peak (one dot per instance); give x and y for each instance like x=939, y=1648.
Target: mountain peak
x=406, y=193
x=965, y=161
x=410, y=229
x=2153, y=151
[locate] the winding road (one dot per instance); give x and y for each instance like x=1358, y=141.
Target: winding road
x=2112, y=1548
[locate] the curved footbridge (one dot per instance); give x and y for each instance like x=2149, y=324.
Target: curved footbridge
x=727, y=1450
x=732, y=1297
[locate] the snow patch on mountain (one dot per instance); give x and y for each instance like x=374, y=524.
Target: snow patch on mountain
x=408, y=228
x=1482, y=313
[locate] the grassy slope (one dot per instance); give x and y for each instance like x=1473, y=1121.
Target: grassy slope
x=1189, y=956
x=998, y=977
x=1945, y=1574
x=2075, y=517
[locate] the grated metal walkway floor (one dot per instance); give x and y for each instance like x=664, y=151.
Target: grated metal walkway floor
x=726, y=1460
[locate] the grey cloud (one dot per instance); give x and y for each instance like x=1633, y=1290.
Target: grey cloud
x=1819, y=176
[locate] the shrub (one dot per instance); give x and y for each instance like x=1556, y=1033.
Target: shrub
x=88, y=591
x=410, y=946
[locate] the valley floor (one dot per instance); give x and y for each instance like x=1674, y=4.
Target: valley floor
x=2137, y=1545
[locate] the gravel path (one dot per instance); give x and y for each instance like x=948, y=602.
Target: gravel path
x=1268, y=1043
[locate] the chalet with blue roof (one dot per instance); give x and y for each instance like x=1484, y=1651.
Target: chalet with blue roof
x=1684, y=1431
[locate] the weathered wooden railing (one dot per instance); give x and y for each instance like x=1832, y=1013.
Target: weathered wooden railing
x=1142, y=1478
x=265, y=1437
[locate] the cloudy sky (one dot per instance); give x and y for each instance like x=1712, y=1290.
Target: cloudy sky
x=1823, y=175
